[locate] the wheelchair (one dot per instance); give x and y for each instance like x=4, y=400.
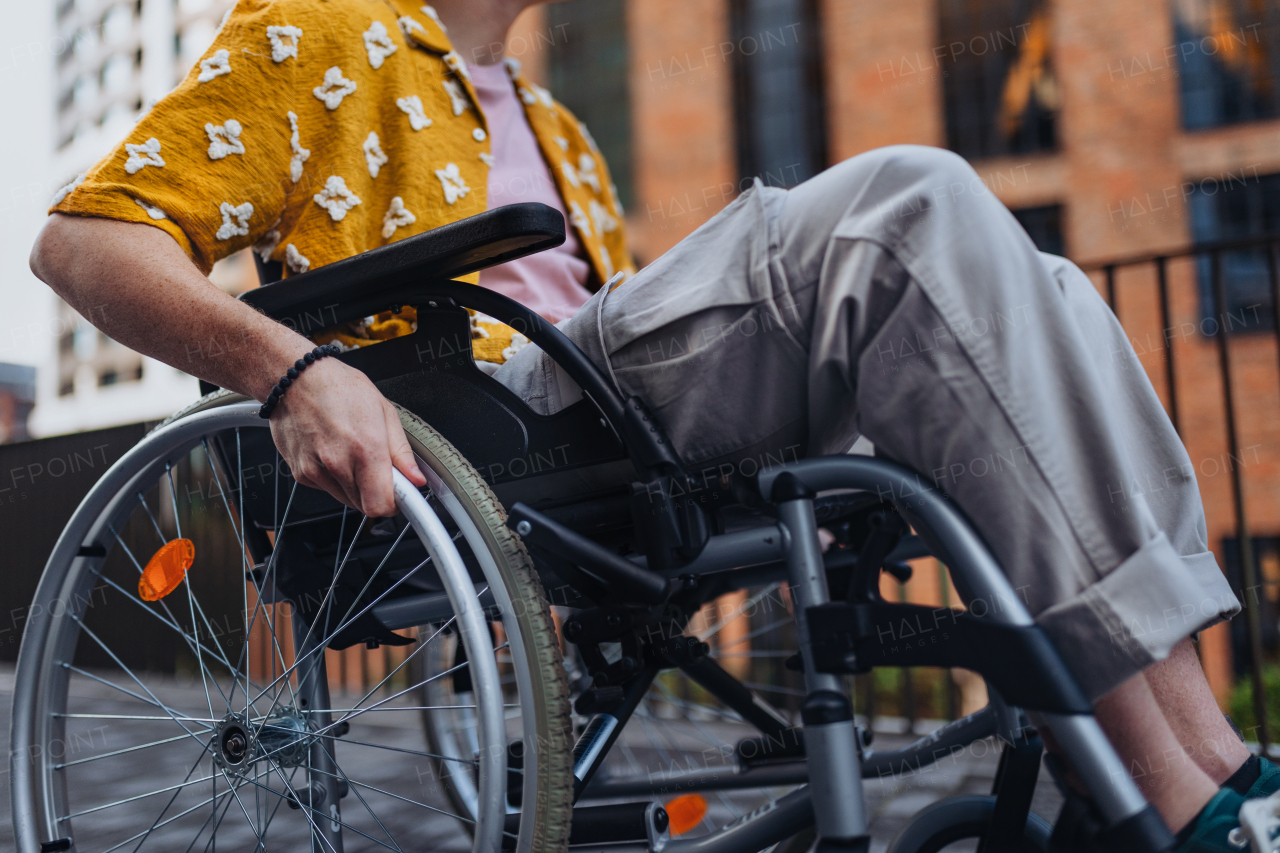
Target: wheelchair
x=552, y=675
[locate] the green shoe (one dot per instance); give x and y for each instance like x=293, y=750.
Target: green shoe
x=1268, y=783
x=1213, y=829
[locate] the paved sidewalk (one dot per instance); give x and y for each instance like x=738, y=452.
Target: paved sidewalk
x=892, y=801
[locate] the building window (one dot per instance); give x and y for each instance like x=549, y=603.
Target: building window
x=1000, y=95
x=1044, y=226
x=1237, y=206
x=587, y=72
x=777, y=90
x=1230, y=61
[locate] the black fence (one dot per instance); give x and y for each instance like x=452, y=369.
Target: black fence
x=1238, y=293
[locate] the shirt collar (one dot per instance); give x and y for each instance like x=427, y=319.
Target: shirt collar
x=421, y=25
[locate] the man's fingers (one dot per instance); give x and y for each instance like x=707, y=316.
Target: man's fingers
x=401, y=452
x=373, y=479
x=325, y=483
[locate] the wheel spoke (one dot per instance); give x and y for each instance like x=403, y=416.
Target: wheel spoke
x=738, y=611
x=194, y=765
x=173, y=739
x=132, y=799
x=129, y=672
x=352, y=787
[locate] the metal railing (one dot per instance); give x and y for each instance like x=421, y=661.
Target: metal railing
x=1223, y=330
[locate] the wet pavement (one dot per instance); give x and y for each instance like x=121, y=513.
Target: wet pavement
x=396, y=793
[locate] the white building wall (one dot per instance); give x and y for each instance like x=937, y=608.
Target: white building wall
x=78, y=73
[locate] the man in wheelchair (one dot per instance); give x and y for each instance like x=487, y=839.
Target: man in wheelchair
x=890, y=297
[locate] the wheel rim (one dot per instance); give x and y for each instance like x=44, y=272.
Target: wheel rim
x=251, y=734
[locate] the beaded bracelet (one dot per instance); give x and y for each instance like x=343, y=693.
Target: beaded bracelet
x=292, y=374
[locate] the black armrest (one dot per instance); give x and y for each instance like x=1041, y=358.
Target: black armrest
x=355, y=287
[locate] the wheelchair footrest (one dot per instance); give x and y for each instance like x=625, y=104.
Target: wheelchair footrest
x=1018, y=660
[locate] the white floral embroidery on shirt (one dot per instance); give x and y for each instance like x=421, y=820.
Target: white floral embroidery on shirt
x=300, y=154
x=266, y=247
x=378, y=43
x=336, y=198
x=334, y=88
x=605, y=223
x=487, y=159
x=431, y=13
x=412, y=106
x=479, y=135
x=535, y=94
x=451, y=180
x=562, y=142
x=396, y=217
x=570, y=175
x=587, y=171
x=408, y=25
x=224, y=139
x=457, y=97
x=66, y=191
x=578, y=218
x=373, y=155
x=153, y=212
x=141, y=156
x=478, y=331
x=235, y=220
x=513, y=67
x=613, y=194
x=295, y=259
x=281, y=49
x=215, y=66
x=606, y=262
x=518, y=342
x=457, y=65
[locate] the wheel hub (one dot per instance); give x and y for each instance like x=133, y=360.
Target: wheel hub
x=282, y=739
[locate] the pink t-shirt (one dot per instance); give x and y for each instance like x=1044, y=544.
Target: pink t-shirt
x=550, y=282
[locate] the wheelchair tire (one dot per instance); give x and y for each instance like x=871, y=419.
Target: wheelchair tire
x=553, y=756
x=59, y=691
x=962, y=818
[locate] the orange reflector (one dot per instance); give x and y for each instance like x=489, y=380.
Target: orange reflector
x=166, y=569
x=685, y=812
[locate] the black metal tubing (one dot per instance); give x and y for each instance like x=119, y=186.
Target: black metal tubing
x=636, y=690
x=614, y=571
x=731, y=691
x=1014, y=787
x=1170, y=374
x=1018, y=660
x=1250, y=569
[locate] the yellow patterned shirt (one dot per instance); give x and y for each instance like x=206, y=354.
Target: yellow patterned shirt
x=314, y=131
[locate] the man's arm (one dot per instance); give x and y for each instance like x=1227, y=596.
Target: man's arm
x=334, y=429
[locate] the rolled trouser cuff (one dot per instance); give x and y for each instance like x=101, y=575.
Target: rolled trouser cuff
x=1137, y=613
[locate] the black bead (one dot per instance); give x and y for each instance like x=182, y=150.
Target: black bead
x=291, y=373
x=278, y=391
x=299, y=365
x=285, y=381
x=309, y=357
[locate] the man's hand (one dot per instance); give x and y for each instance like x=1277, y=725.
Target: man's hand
x=337, y=433
x=134, y=282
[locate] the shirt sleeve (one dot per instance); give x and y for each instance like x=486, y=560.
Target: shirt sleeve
x=210, y=163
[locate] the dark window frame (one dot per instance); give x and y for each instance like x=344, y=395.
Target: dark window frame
x=744, y=30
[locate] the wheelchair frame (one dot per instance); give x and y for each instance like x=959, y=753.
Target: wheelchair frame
x=687, y=552
x=681, y=550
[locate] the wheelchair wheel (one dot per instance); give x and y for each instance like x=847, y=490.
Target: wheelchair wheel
x=956, y=824
x=173, y=689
